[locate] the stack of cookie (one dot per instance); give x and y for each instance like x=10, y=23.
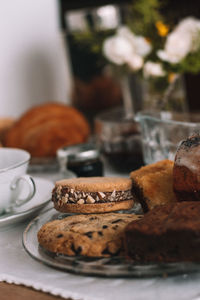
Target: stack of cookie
x=169, y=230
x=95, y=229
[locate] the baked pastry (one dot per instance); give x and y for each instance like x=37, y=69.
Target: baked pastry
x=5, y=124
x=45, y=128
x=92, y=194
x=87, y=235
x=167, y=233
x=152, y=184
x=186, y=171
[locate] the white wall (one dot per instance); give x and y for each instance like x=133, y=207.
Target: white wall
x=33, y=64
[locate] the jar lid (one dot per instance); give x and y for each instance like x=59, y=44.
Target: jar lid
x=80, y=152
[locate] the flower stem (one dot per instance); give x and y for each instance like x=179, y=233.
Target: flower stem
x=127, y=98
x=168, y=91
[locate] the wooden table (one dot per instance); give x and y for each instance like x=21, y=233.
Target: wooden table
x=19, y=292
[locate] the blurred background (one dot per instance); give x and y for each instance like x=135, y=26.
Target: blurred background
x=53, y=51
x=33, y=61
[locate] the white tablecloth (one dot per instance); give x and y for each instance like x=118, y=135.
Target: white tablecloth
x=16, y=266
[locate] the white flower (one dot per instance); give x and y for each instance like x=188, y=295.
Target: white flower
x=126, y=48
x=141, y=46
x=185, y=38
x=135, y=62
x=153, y=69
x=117, y=49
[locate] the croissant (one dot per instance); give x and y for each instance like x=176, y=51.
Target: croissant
x=45, y=128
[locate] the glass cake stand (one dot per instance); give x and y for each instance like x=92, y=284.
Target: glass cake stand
x=113, y=267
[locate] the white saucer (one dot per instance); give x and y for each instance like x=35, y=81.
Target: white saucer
x=41, y=198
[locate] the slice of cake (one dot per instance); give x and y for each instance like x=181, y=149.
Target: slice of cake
x=152, y=184
x=186, y=172
x=167, y=233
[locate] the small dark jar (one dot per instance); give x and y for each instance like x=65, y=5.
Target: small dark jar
x=83, y=160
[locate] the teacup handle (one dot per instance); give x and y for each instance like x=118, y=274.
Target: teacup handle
x=16, y=202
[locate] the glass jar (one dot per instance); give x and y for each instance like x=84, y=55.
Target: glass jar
x=82, y=159
x=119, y=140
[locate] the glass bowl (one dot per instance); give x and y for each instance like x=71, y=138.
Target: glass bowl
x=163, y=131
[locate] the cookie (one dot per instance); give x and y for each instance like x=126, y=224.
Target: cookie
x=87, y=235
x=93, y=194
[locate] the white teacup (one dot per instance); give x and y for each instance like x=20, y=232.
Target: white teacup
x=16, y=186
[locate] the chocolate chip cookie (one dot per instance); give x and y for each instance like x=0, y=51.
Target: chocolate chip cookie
x=87, y=235
x=93, y=194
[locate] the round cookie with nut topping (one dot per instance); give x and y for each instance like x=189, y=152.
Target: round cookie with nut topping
x=93, y=194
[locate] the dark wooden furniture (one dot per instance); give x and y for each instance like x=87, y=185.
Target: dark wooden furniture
x=19, y=292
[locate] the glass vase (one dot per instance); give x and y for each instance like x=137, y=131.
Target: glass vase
x=165, y=94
